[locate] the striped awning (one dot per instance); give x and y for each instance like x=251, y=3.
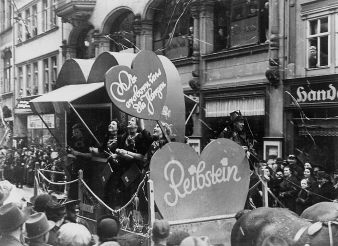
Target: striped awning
x=248, y=107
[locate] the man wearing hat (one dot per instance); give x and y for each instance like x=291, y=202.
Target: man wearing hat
x=37, y=229
x=160, y=232
x=40, y=202
x=324, y=191
x=72, y=208
x=297, y=169
x=236, y=132
x=108, y=227
x=55, y=212
x=11, y=220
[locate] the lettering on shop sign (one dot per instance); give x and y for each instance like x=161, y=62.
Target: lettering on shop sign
x=140, y=91
x=217, y=180
x=316, y=93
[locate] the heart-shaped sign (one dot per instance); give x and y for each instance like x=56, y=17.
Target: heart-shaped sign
x=140, y=91
x=189, y=186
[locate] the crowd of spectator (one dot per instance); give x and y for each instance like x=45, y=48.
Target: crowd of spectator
x=47, y=221
x=292, y=184
x=17, y=165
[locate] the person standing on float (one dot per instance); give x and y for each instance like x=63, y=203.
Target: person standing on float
x=82, y=159
x=236, y=132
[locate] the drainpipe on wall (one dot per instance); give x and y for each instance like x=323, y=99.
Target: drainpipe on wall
x=273, y=73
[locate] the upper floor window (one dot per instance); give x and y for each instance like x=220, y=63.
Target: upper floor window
x=7, y=72
x=35, y=78
x=29, y=80
x=318, y=36
x=45, y=15
x=9, y=13
x=54, y=19
x=336, y=38
x=240, y=23
x=19, y=32
x=28, y=24
x=20, y=81
x=85, y=47
x=54, y=72
x=2, y=15
x=172, y=29
x=34, y=21
x=121, y=33
x=46, y=79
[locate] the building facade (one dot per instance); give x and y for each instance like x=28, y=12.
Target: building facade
x=228, y=54
x=6, y=71
x=310, y=103
x=220, y=48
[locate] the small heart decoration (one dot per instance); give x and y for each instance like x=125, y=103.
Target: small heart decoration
x=139, y=91
x=188, y=186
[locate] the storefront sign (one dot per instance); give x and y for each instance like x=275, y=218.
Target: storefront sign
x=187, y=186
x=34, y=121
x=140, y=91
x=23, y=105
x=314, y=93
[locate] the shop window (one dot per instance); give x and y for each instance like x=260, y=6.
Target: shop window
x=121, y=34
x=239, y=23
x=318, y=42
x=38, y=134
x=172, y=21
x=7, y=72
x=85, y=48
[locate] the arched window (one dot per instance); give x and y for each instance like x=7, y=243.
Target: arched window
x=171, y=29
x=85, y=48
x=121, y=33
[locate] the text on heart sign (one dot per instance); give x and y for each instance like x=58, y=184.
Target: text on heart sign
x=198, y=180
x=142, y=97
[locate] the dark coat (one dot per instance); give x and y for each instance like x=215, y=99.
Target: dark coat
x=8, y=240
x=303, y=201
x=327, y=193
x=288, y=192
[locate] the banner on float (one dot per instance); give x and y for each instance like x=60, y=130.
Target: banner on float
x=139, y=91
x=189, y=186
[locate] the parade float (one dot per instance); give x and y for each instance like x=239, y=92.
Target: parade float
x=197, y=193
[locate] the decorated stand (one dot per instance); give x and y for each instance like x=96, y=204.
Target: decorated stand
x=199, y=194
